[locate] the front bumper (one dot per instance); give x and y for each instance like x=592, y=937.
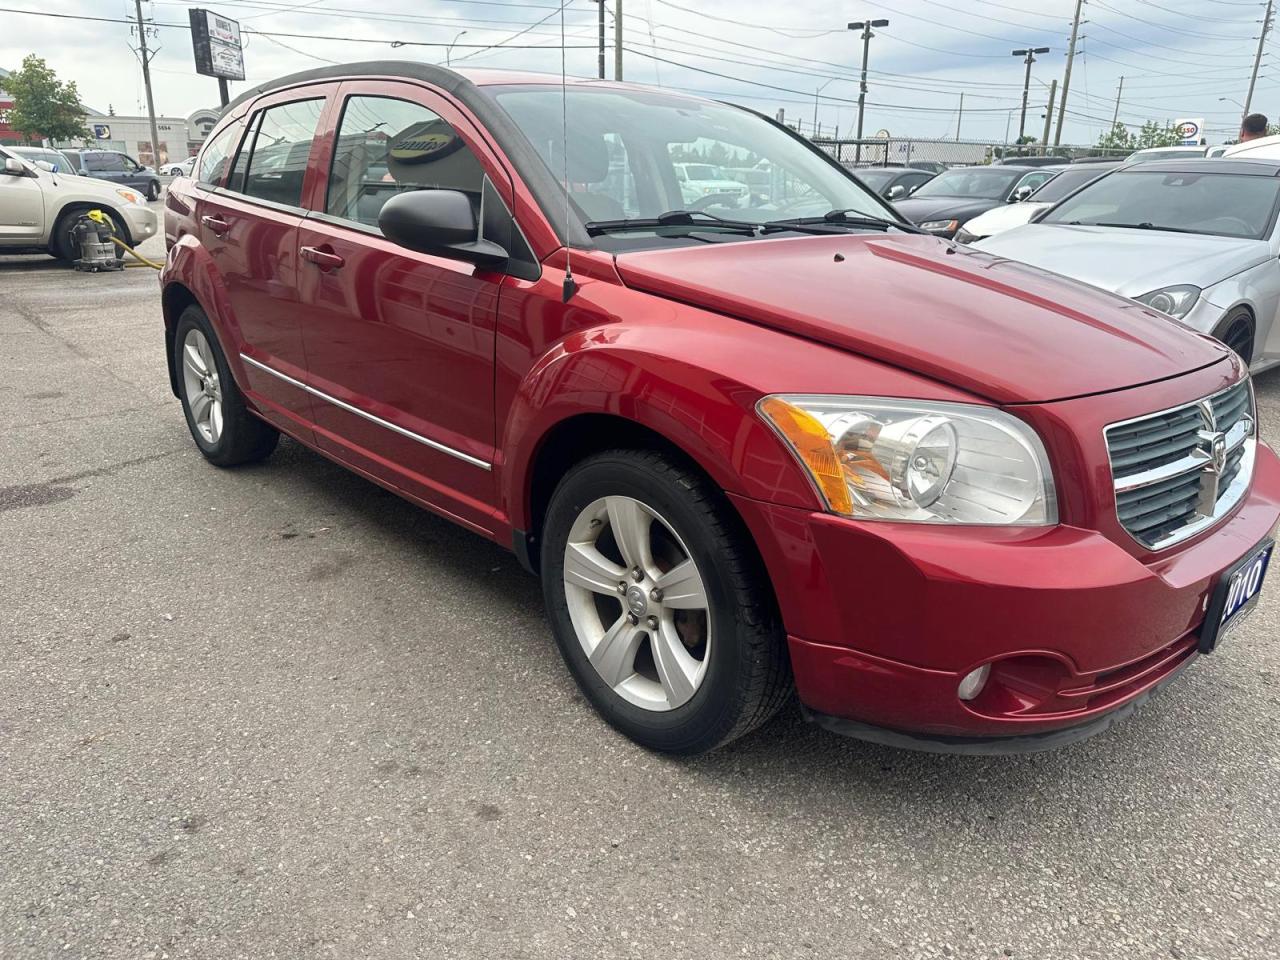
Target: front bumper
x=884, y=619
x=141, y=221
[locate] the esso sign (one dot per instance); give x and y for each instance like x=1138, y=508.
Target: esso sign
x=1189, y=131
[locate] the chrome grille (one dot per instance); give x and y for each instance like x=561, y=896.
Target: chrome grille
x=1178, y=471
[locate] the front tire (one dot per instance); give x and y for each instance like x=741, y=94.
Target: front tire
x=659, y=605
x=217, y=415
x=153, y=190
x=1236, y=331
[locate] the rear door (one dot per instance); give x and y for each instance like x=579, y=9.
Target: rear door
x=399, y=343
x=21, y=208
x=248, y=223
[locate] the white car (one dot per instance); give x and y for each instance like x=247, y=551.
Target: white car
x=999, y=219
x=704, y=184
x=181, y=169
x=39, y=207
x=1195, y=239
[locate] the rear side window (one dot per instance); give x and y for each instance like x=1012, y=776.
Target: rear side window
x=386, y=146
x=216, y=156
x=277, y=162
x=104, y=163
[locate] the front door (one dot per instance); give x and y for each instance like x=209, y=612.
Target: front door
x=21, y=209
x=401, y=344
x=248, y=223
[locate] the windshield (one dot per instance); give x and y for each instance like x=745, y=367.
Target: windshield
x=628, y=149
x=1225, y=205
x=1064, y=183
x=875, y=179
x=986, y=183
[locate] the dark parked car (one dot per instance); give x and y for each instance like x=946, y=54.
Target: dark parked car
x=893, y=183
x=952, y=198
x=1032, y=161
x=952, y=501
x=118, y=168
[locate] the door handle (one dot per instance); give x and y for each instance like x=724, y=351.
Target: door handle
x=323, y=257
x=216, y=224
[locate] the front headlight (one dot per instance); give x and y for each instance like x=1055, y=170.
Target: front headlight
x=1176, y=301
x=129, y=196
x=964, y=236
x=940, y=226
x=881, y=459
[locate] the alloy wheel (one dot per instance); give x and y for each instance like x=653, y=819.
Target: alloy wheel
x=638, y=603
x=200, y=381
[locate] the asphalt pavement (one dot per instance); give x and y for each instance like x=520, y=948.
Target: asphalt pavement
x=276, y=712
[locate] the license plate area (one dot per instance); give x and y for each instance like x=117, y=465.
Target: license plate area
x=1235, y=595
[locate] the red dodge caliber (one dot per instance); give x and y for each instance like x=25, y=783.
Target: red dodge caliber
x=752, y=440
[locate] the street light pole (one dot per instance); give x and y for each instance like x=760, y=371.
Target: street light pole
x=1257, y=60
x=601, y=27
x=1030, y=57
x=815, y=101
x=448, y=51
x=865, y=26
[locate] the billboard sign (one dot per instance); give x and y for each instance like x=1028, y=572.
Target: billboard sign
x=1190, y=132
x=101, y=131
x=215, y=41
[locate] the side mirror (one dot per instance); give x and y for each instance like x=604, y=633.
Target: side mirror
x=46, y=166
x=1021, y=194
x=14, y=167
x=441, y=222
x=914, y=187
x=896, y=192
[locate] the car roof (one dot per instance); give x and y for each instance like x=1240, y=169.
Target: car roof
x=1251, y=168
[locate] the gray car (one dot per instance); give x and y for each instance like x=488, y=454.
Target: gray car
x=118, y=168
x=1196, y=239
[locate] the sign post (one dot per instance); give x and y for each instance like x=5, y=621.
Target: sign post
x=215, y=40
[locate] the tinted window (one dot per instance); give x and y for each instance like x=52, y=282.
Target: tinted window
x=1065, y=183
x=876, y=179
x=388, y=146
x=277, y=162
x=1228, y=205
x=104, y=162
x=217, y=155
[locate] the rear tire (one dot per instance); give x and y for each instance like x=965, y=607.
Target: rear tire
x=217, y=415
x=692, y=655
x=153, y=190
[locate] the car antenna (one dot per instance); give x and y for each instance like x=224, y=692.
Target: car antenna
x=570, y=285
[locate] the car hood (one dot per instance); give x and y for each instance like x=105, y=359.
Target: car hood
x=1004, y=218
x=1129, y=262
x=1000, y=330
x=921, y=209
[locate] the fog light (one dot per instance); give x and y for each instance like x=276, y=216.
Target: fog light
x=973, y=682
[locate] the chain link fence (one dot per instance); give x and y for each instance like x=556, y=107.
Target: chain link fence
x=914, y=151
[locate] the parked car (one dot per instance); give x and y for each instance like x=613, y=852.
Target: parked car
x=1067, y=180
x=930, y=166
x=953, y=198
x=955, y=502
x=705, y=184
x=38, y=208
x=58, y=161
x=1165, y=153
x=1261, y=148
x=182, y=168
x=1196, y=239
x=115, y=167
x=893, y=183
x=1018, y=161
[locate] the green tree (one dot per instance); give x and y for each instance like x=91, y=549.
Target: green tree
x=43, y=106
x=1153, y=134
x=1117, y=139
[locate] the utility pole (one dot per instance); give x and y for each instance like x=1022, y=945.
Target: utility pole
x=960, y=115
x=145, y=57
x=617, y=40
x=865, y=26
x=1048, y=114
x=1115, y=116
x=1257, y=59
x=1030, y=57
x=1066, y=78
x=601, y=2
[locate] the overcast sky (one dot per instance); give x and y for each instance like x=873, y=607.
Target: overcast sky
x=1177, y=56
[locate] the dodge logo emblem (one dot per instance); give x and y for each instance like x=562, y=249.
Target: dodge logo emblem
x=1218, y=450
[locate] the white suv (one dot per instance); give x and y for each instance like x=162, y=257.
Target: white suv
x=39, y=207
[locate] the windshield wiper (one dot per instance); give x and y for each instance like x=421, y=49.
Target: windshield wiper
x=672, y=218
x=842, y=218
x=1145, y=225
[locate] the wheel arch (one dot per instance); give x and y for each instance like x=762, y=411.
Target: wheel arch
x=1230, y=317
x=174, y=298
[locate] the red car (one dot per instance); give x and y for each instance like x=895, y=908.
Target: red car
x=751, y=444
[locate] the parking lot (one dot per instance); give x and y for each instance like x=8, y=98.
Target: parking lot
x=278, y=712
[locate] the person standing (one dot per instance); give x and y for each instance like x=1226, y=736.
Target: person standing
x=1253, y=127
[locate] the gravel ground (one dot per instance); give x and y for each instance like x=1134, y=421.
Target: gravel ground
x=277, y=712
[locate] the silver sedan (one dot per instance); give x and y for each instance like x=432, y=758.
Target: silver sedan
x=1196, y=239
